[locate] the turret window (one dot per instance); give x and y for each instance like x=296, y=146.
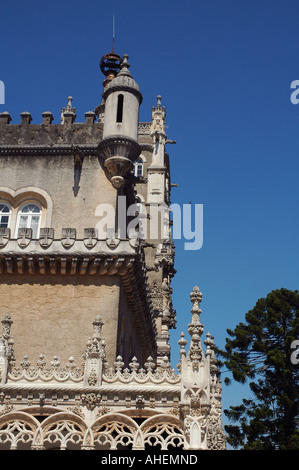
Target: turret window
x=120, y=105
x=30, y=217
x=5, y=213
x=138, y=168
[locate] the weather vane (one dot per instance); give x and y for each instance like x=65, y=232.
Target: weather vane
x=113, y=33
x=110, y=63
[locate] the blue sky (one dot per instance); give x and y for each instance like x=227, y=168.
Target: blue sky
x=224, y=69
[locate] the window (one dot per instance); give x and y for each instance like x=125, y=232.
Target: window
x=5, y=213
x=138, y=168
x=120, y=104
x=30, y=217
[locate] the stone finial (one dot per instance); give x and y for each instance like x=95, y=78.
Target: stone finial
x=182, y=343
x=210, y=351
x=97, y=327
x=196, y=298
x=119, y=364
x=124, y=67
x=150, y=365
x=134, y=365
x=209, y=344
x=68, y=114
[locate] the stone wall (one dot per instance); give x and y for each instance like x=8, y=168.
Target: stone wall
x=54, y=315
x=70, y=198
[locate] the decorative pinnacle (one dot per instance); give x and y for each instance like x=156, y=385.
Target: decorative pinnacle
x=196, y=298
x=69, y=105
x=182, y=343
x=159, y=98
x=97, y=327
x=195, y=328
x=124, y=67
x=68, y=109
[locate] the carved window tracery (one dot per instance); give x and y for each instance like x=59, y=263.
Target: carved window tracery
x=115, y=433
x=16, y=433
x=164, y=436
x=63, y=434
x=162, y=432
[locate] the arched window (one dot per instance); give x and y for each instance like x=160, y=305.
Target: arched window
x=30, y=217
x=5, y=213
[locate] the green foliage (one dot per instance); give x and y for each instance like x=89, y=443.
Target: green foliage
x=259, y=350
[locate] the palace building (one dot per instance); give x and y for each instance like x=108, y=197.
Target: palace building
x=85, y=285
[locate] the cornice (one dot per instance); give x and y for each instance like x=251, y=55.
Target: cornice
x=87, y=257
x=32, y=150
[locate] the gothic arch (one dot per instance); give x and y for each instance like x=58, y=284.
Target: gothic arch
x=17, y=430
x=63, y=430
x=195, y=395
x=164, y=431
x=114, y=431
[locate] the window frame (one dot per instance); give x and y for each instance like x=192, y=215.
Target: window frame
x=120, y=108
x=138, y=164
x=29, y=215
x=9, y=214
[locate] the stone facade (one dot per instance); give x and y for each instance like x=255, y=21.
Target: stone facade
x=84, y=351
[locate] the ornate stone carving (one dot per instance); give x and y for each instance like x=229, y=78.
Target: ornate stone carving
x=195, y=329
x=90, y=400
x=95, y=355
x=68, y=237
x=6, y=326
x=24, y=237
x=4, y=236
x=157, y=298
x=90, y=237
x=46, y=237
x=158, y=118
x=94, y=396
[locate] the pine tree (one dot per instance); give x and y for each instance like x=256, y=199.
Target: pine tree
x=260, y=350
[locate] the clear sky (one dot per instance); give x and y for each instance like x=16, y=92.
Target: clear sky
x=224, y=69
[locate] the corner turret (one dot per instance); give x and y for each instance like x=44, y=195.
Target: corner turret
x=122, y=98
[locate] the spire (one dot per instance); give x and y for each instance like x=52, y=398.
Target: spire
x=113, y=33
x=195, y=328
x=158, y=119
